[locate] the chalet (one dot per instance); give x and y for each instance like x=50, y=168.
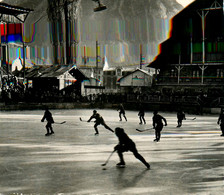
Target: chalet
x=54, y=78
x=136, y=80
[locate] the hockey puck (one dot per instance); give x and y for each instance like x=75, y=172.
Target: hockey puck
x=104, y=169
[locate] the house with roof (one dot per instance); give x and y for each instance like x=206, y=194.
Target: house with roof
x=136, y=80
x=50, y=78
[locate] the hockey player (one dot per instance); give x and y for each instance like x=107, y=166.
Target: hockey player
x=221, y=121
x=126, y=144
x=158, y=124
x=180, y=118
x=50, y=121
x=141, y=114
x=99, y=121
x=121, y=112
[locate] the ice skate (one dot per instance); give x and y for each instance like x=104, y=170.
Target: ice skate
x=121, y=165
x=147, y=165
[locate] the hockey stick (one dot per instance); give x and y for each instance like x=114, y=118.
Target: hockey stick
x=60, y=123
x=83, y=120
x=104, y=164
x=142, y=130
x=191, y=119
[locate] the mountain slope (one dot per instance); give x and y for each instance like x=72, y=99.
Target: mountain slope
x=119, y=29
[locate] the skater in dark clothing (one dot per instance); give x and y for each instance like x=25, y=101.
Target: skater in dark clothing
x=99, y=121
x=50, y=121
x=121, y=111
x=126, y=144
x=141, y=114
x=180, y=118
x=221, y=121
x=158, y=124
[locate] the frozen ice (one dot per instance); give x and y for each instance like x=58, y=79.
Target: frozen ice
x=187, y=160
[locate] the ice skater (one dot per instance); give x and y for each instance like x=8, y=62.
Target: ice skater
x=141, y=114
x=221, y=121
x=50, y=121
x=126, y=144
x=121, y=112
x=99, y=121
x=158, y=124
x=180, y=118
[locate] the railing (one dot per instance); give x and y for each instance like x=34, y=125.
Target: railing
x=189, y=80
x=164, y=99
x=217, y=102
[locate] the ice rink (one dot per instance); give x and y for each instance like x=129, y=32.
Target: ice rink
x=187, y=160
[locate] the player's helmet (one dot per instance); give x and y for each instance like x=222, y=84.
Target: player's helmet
x=94, y=111
x=119, y=131
x=155, y=112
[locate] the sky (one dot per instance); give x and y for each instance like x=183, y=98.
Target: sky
x=121, y=50
x=185, y=2
x=182, y=2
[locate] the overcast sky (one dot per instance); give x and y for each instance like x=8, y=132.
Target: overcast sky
x=182, y=2
x=118, y=45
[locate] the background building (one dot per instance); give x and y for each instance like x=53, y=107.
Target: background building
x=135, y=82
x=191, y=62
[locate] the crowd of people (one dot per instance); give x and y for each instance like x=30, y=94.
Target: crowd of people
x=13, y=92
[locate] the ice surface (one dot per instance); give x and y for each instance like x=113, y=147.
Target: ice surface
x=187, y=160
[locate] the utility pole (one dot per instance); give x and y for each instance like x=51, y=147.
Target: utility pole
x=141, y=61
x=179, y=68
x=24, y=62
x=204, y=12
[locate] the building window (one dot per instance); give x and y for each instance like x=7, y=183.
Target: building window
x=219, y=73
x=173, y=73
x=118, y=72
x=195, y=74
x=113, y=73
